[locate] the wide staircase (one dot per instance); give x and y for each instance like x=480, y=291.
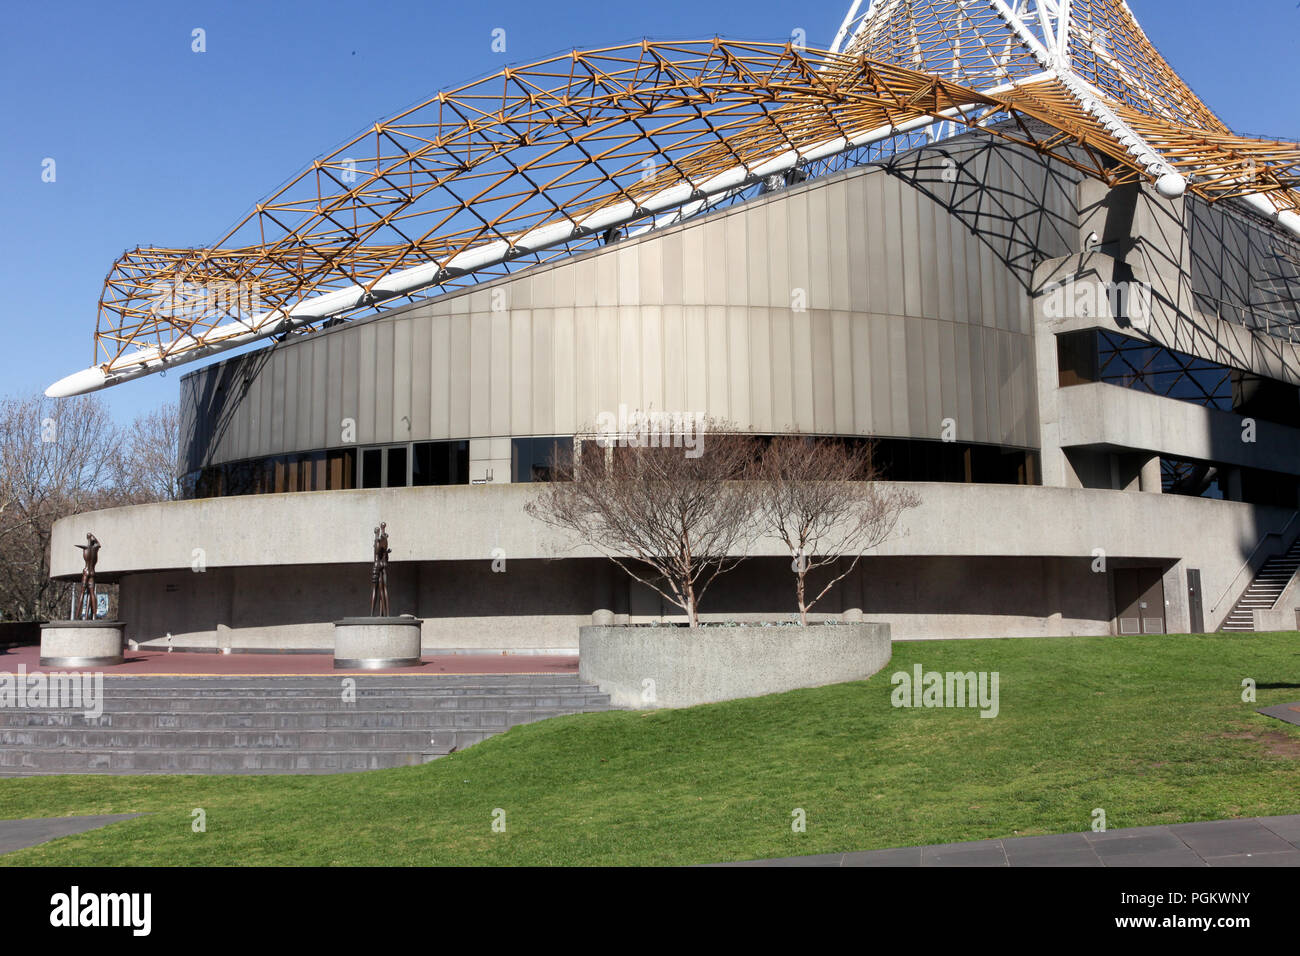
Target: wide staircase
x=1272, y=579
x=249, y=725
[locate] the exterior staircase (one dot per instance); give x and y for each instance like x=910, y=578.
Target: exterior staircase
x=1264, y=591
x=250, y=725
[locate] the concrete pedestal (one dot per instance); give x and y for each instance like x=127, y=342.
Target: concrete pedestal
x=373, y=643
x=81, y=643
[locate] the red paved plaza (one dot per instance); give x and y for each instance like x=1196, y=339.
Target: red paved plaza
x=180, y=663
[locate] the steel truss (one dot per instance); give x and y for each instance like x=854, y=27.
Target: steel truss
x=546, y=160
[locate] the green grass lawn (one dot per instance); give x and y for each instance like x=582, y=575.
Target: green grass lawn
x=1151, y=729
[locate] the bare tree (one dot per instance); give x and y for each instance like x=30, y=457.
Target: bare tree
x=672, y=518
x=147, y=469
x=822, y=498
x=56, y=459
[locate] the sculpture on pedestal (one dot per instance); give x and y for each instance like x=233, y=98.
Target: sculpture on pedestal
x=380, y=640
x=86, y=600
x=84, y=640
x=379, y=573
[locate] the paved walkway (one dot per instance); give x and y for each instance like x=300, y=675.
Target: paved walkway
x=1257, y=841
x=180, y=663
x=1285, y=712
x=16, y=834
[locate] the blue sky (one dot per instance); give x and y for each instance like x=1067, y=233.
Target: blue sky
x=158, y=145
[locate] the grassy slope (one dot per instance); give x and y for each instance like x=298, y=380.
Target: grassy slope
x=1152, y=729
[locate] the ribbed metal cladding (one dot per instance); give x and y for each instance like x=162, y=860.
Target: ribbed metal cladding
x=875, y=301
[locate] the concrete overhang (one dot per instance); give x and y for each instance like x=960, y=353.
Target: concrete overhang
x=1103, y=415
x=1077, y=292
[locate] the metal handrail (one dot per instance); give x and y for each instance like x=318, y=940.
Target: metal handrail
x=1251, y=558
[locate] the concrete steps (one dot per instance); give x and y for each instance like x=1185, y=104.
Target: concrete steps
x=280, y=724
x=215, y=761
x=355, y=720
x=164, y=704
x=1264, y=591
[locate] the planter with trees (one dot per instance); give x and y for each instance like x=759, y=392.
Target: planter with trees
x=676, y=515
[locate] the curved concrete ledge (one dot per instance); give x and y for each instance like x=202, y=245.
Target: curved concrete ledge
x=373, y=643
x=315, y=528
x=654, y=667
x=81, y=643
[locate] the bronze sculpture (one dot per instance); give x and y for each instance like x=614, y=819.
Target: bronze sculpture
x=379, y=573
x=86, y=600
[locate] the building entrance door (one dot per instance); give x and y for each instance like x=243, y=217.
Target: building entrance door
x=1140, y=600
x=1195, y=609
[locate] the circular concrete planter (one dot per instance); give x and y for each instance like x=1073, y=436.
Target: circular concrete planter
x=653, y=667
x=373, y=643
x=81, y=643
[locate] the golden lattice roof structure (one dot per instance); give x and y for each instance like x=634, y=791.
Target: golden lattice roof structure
x=545, y=160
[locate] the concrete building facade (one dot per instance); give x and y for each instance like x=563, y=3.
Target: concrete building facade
x=1095, y=394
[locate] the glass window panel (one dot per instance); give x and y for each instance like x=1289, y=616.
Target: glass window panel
x=458, y=463
x=396, y=477
x=422, y=464
x=371, y=467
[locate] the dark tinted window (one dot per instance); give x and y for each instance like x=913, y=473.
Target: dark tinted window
x=534, y=459
x=397, y=467
x=440, y=463
x=371, y=467
x=1094, y=355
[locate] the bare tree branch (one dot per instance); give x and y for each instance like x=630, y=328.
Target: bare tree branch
x=56, y=459
x=822, y=498
x=64, y=457
x=686, y=517
x=147, y=469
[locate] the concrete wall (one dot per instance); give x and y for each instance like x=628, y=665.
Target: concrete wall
x=468, y=523
x=970, y=560
x=1283, y=617
x=652, y=668
x=539, y=604
x=1285, y=614
x=1104, y=414
x=533, y=604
